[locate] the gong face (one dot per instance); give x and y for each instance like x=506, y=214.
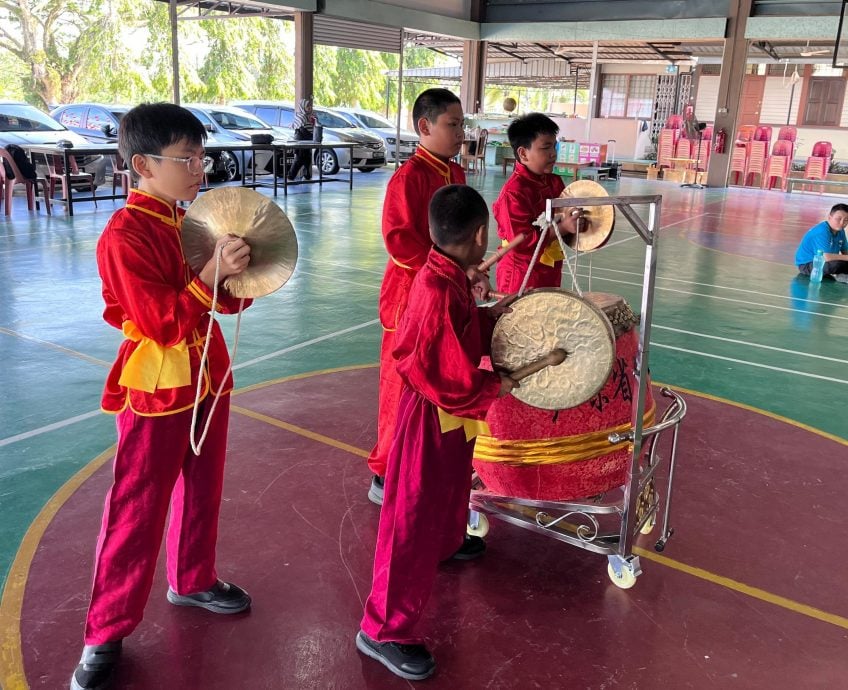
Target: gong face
x=545, y=319
x=598, y=221
x=261, y=223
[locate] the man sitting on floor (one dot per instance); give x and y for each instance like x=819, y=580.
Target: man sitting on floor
x=829, y=237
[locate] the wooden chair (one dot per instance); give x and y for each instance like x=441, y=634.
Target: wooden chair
x=56, y=174
x=30, y=186
x=476, y=162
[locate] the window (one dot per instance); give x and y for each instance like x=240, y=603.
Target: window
x=25, y=118
x=72, y=117
x=266, y=114
x=614, y=95
x=286, y=117
x=628, y=95
x=641, y=94
x=97, y=118
x=373, y=121
x=824, y=101
x=229, y=119
x=327, y=119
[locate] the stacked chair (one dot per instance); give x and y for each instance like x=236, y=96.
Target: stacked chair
x=757, y=154
x=668, y=139
x=779, y=164
x=739, y=154
x=819, y=163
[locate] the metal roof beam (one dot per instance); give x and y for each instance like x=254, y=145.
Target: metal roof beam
x=591, y=10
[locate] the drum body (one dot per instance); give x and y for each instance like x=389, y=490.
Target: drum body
x=561, y=455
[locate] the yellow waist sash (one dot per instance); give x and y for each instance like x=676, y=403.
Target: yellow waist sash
x=473, y=427
x=553, y=451
x=552, y=253
x=152, y=366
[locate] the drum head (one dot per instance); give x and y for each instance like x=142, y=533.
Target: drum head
x=545, y=319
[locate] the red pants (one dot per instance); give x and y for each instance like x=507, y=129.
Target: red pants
x=155, y=466
x=422, y=521
x=387, y=405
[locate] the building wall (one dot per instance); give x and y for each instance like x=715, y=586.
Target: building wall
x=774, y=110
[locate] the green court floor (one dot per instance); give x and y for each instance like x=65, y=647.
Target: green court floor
x=731, y=318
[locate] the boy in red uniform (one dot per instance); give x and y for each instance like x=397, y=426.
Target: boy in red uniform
x=438, y=347
x=522, y=200
x=162, y=307
x=438, y=120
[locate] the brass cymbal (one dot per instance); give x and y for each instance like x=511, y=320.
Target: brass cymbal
x=255, y=218
x=598, y=221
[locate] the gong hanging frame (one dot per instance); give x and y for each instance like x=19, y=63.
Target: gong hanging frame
x=637, y=504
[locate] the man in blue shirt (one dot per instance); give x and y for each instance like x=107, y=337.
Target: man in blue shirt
x=829, y=237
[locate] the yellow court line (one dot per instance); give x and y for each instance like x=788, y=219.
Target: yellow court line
x=742, y=588
x=12, y=675
x=300, y=431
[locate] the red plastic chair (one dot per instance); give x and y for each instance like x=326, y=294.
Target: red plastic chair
x=738, y=161
x=30, y=186
x=787, y=133
x=756, y=165
x=778, y=165
x=665, y=147
x=819, y=163
x=684, y=148
x=745, y=134
x=703, y=155
x=674, y=122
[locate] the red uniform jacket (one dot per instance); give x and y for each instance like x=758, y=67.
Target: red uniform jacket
x=520, y=202
x=406, y=229
x=155, y=298
x=441, y=339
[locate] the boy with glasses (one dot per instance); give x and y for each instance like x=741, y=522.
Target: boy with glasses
x=162, y=307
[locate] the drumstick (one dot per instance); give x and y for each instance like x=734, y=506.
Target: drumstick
x=499, y=254
x=552, y=359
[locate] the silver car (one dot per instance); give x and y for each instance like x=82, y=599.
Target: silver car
x=387, y=131
x=367, y=155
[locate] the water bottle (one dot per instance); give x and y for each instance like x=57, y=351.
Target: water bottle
x=818, y=267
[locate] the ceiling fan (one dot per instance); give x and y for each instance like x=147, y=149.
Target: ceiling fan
x=809, y=53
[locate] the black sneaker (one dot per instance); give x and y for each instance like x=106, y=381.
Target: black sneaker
x=375, y=492
x=472, y=547
x=96, y=665
x=410, y=661
x=222, y=598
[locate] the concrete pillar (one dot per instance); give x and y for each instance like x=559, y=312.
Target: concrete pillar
x=303, y=61
x=473, y=76
x=733, y=65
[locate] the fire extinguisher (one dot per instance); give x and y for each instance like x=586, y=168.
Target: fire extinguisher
x=720, y=141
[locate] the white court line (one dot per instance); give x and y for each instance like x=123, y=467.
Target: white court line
x=50, y=427
x=724, y=287
x=73, y=420
x=750, y=344
x=751, y=364
x=58, y=348
x=725, y=299
x=339, y=280
x=306, y=343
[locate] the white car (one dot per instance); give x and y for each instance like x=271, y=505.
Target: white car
x=368, y=154
x=23, y=124
x=387, y=131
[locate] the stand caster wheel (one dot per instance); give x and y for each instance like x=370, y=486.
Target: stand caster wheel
x=625, y=581
x=481, y=529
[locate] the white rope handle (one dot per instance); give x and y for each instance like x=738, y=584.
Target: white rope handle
x=196, y=445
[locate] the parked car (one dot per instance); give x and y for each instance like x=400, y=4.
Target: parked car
x=383, y=128
x=370, y=153
x=99, y=123
x=234, y=125
x=23, y=124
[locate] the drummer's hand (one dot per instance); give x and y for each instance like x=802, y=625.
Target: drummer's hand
x=567, y=221
x=507, y=385
x=480, y=286
x=502, y=307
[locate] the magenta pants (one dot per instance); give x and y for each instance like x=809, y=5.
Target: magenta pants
x=422, y=521
x=154, y=467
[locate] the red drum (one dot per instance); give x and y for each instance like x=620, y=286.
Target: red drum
x=561, y=455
